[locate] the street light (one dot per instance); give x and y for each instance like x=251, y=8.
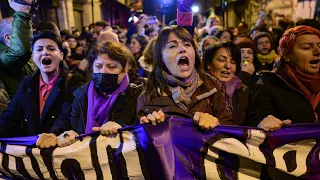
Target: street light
x=195, y=9
x=134, y=19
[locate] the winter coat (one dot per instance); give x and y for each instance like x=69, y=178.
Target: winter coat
x=122, y=112
x=276, y=96
x=240, y=101
x=22, y=117
x=240, y=104
x=207, y=99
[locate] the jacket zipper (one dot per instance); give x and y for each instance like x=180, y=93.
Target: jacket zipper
x=314, y=111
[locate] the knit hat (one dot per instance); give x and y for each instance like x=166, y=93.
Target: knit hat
x=246, y=43
x=259, y=35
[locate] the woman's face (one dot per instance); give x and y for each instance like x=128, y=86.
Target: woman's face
x=83, y=43
x=72, y=43
x=46, y=55
x=208, y=42
x=225, y=36
x=215, y=22
x=135, y=46
x=153, y=34
x=179, y=56
x=223, y=66
x=246, y=55
x=103, y=64
x=264, y=45
x=306, y=53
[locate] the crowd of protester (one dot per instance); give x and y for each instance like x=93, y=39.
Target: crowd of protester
x=62, y=84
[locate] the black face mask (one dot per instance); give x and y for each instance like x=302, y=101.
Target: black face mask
x=105, y=83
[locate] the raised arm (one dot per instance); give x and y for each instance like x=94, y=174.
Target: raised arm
x=16, y=43
x=184, y=15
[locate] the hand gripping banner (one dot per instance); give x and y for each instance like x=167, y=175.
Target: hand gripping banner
x=175, y=149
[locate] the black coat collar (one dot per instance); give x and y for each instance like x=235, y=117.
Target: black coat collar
x=32, y=96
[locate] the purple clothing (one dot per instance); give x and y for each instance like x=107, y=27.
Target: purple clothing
x=233, y=84
x=228, y=89
x=99, y=106
x=184, y=12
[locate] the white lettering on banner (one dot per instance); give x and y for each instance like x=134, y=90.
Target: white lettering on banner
x=236, y=147
x=130, y=154
x=302, y=149
x=254, y=140
x=251, y=151
x=210, y=166
x=78, y=151
x=43, y=168
x=114, y=142
x=19, y=152
x=5, y=172
x=231, y=145
x=245, y=157
x=13, y=167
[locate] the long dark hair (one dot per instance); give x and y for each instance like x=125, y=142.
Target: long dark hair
x=219, y=33
x=143, y=41
x=232, y=48
x=148, y=52
x=156, y=79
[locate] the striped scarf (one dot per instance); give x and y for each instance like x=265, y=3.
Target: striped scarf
x=182, y=90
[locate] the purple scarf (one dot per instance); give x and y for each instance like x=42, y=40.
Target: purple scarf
x=99, y=106
x=228, y=89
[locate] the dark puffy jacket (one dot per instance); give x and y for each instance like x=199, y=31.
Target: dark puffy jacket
x=276, y=96
x=123, y=110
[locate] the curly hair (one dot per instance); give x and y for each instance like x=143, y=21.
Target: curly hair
x=115, y=51
x=232, y=48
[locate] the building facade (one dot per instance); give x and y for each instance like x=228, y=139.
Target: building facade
x=69, y=14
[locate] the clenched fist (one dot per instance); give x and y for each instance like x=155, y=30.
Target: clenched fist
x=205, y=120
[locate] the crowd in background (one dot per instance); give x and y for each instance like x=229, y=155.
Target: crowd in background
x=66, y=83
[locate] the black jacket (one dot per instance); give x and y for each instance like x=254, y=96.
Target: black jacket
x=277, y=97
x=22, y=117
x=123, y=110
x=248, y=79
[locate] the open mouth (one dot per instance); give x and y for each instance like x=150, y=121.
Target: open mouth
x=225, y=72
x=315, y=61
x=46, y=61
x=183, y=63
